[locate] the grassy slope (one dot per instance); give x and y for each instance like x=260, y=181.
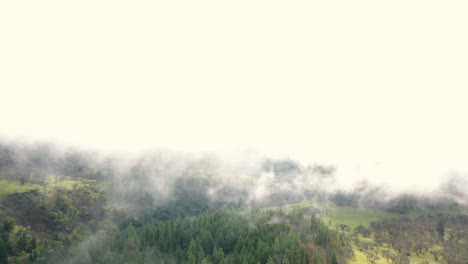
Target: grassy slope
x=68, y=183
x=360, y=258
x=331, y=215
x=8, y=187
x=336, y=215
x=352, y=217
x=288, y=207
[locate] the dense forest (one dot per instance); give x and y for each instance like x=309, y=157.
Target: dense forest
x=214, y=237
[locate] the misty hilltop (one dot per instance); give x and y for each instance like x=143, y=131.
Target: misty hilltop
x=65, y=205
x=233, y=132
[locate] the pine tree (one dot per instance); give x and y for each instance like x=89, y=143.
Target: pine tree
x=131, y=239
x=207, y=242
x=192, y=252
x=441, y=229
x=236, y=258
x=205, y=261
x=270, y=260
x=218, y=255
x=32, y=244
x=3, y=252
x=316, y=259
x=334, y=260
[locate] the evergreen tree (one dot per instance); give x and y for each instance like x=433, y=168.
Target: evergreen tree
x=205, y=261
x=334, y=260
x=236, y=258
x=441, y=230
x=3, y=251
x=192, y=252
x=218, y=255
x=207, y=242
x=270, y=260
x=131, y=239
x=316, y=259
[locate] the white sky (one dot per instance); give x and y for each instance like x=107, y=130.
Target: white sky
x=376, y=87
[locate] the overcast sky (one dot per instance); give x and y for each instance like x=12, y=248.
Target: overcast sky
x=378, y=88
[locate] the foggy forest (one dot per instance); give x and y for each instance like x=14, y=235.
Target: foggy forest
x=65, y=205
x=233, y=132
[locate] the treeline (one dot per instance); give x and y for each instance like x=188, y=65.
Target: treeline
x=60, y=210
x=34, y=162
x=402, y=204
x=213, y=237
x=34, y=221
x=17, y=241
x=156, y=174
x=443, y=236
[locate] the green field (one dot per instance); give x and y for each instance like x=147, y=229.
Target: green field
x=295, y=206
x=352, y=217
x=360, y=258
x=8, y=187
x=68, y=183
x=336, y=215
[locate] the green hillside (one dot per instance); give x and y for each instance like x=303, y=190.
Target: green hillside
x=9, y=186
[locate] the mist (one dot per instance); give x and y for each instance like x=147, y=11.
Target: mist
x=164, y=185
x=161, y=177
x=151, y=111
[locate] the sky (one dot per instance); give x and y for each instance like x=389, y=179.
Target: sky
x=376, y=88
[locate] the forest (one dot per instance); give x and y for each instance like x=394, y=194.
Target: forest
x=74, y=206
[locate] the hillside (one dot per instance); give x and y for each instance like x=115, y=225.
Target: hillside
x=418, y=236
x=66, y=217
x=75, y=207
x=59, y=221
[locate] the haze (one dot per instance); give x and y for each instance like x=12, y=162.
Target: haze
x=378, y=89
